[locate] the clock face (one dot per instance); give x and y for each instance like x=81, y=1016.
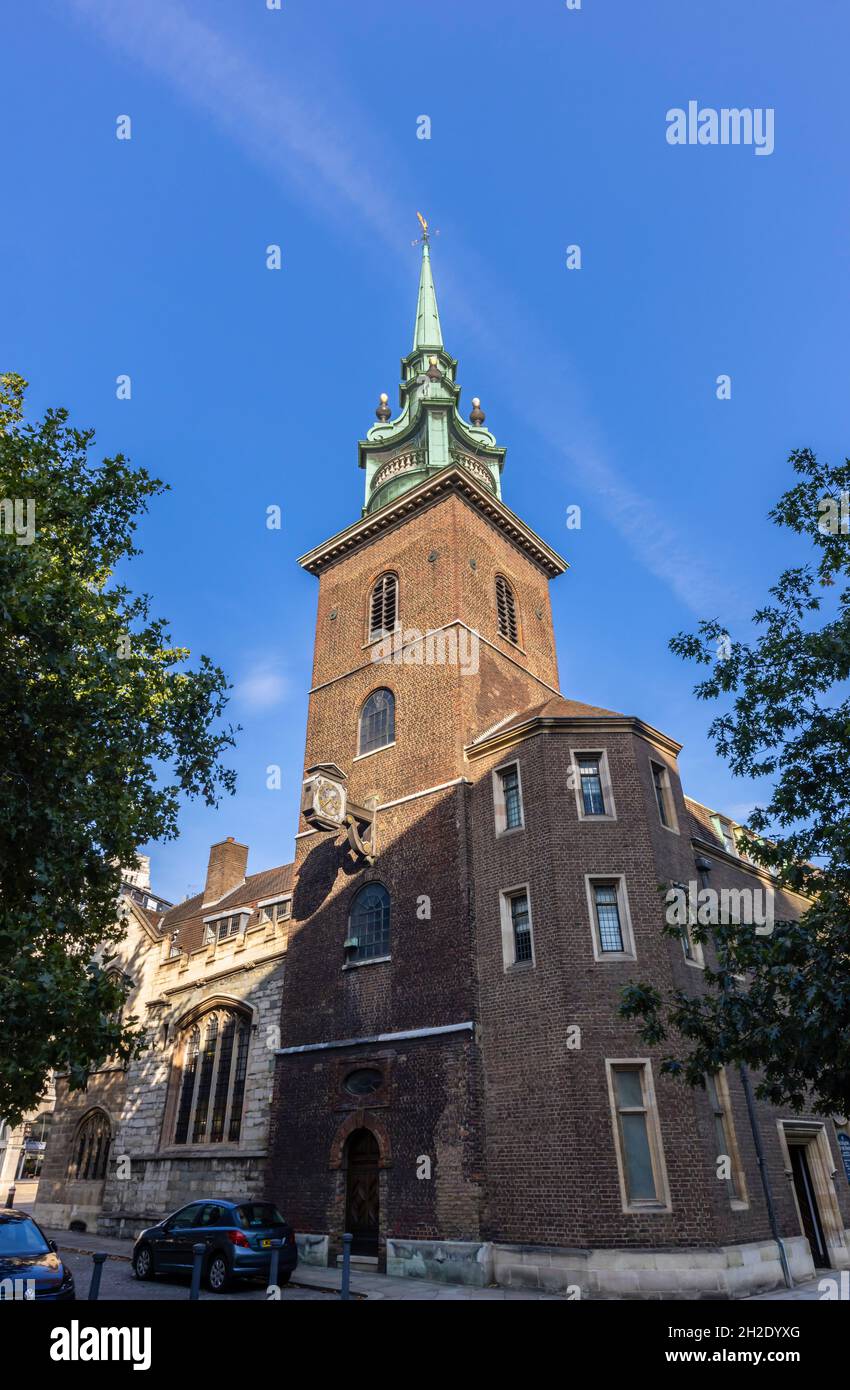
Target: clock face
x=329, y=800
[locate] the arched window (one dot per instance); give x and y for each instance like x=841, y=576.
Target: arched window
x=369, y=923
x=377, y=721
x=213, y=1062
x=506, y=608
x=90, y=1153
x=383, y=607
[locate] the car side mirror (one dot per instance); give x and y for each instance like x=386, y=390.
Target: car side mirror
x=53, y=1246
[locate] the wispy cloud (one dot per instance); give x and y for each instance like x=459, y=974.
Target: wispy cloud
x=261, y=688
x=328, y=160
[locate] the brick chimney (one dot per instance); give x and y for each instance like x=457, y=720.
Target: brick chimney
x=226, y=869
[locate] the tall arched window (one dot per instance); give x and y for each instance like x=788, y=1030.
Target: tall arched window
x=383, y=607
x=90, y=1153
x=213, y=1061
x=506, y=608
x=377, y=721
x=369, y=923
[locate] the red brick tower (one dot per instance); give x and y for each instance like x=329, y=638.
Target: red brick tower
x=435, y=605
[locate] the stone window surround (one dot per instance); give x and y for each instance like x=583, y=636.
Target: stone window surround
x=741, y=1201
x=212, y=937
x=576, y=754
x=179, y=1033
x=500, y=814
x=510, y=963
x=667, y=793
x=663, y=1206
x=626, y=929
x=696, y=960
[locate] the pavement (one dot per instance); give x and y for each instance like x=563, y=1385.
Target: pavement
x=309, y=1282
x=812, y=1291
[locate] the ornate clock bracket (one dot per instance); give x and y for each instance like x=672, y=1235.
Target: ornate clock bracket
x=325, y=806
x=361, y=832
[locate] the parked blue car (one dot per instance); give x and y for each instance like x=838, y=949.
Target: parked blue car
x=236, y=1236
x=30, y=1264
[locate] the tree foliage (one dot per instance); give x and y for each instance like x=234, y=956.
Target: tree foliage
x=103, y=728
x=784, y=716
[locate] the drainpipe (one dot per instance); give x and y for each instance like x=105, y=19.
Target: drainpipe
x=765, y=1177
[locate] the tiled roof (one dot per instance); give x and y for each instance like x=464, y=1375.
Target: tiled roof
x=557, y=707
x=700, y=818
x=187, y=918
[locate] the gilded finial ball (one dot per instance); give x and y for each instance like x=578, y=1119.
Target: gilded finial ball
x=476, y=415
x=383, y=412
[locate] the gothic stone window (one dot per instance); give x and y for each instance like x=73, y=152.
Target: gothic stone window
x=90, y=1154
x=369, y=924
x=213, y=1065
x=506, y=609
x=383, y=607
x=377, y=721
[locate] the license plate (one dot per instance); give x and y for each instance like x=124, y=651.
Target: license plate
x=265, y=1244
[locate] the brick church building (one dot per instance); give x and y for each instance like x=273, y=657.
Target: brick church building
x=476, y=878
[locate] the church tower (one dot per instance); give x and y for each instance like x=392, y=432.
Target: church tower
x=434, y=624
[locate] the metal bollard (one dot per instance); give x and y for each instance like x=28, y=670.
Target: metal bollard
x=277, y=1246
x=346, y=1266
x=198, y=1252
x=99, y=1259
x=10, y=1196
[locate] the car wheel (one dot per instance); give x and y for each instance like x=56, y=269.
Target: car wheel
x=284, y=1278
x=143, y=1262
x=218, y=1274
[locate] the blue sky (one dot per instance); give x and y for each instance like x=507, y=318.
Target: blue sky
x=251, y=387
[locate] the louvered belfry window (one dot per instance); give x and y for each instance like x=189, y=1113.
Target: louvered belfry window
x=506, y=606
x=383, y=607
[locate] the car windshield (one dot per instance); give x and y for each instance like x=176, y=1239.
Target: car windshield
x=21, y=1238
x=255, y=1214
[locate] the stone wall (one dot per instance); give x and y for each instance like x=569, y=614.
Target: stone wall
x=148, y=1175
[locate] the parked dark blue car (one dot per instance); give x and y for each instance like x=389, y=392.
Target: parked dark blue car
x=237, y=1237
x=30, y=1265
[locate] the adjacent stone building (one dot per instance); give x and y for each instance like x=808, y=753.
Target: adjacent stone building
x=476, y=878
x=190, y=1117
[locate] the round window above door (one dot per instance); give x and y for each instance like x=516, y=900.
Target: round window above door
x=364, y=1081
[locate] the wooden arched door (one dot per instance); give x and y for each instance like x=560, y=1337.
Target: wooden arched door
x=361, y=1191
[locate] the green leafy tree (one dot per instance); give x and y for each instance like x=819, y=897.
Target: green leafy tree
x=102, y=730
x=785, y=716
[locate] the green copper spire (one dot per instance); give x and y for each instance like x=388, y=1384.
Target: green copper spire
x=426, y=330
x=428, y=434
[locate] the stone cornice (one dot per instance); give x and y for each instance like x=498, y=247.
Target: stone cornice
x=571, y=724
x=450, y=479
